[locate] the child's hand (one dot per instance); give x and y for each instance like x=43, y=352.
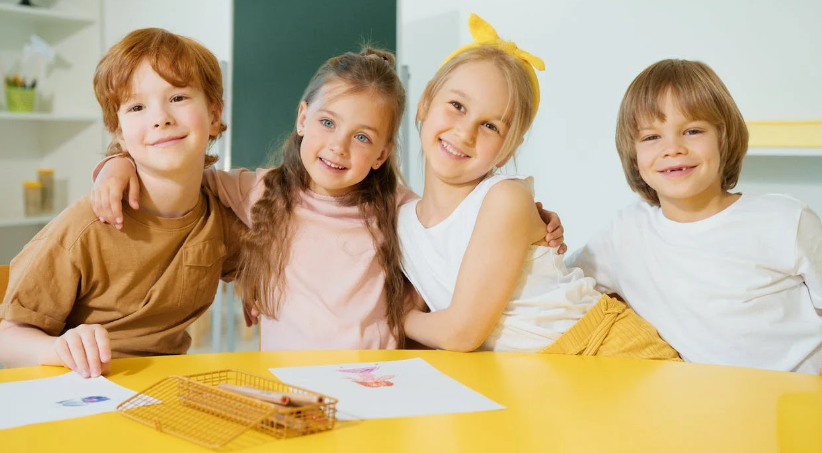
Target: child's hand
x=555, y=236
x=85, y=349
x=109, y=189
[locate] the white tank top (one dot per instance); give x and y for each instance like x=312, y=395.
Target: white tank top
x=548, y=299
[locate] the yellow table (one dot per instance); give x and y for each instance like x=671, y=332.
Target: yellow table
x=554, y=403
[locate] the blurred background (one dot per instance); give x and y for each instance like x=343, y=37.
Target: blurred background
x=768, y=53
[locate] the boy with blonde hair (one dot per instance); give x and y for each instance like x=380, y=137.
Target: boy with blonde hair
x=726, y=278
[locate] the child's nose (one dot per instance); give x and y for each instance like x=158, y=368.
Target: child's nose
x=466, y=131
x=674, y=147
x=163, y=119
x=338, y=145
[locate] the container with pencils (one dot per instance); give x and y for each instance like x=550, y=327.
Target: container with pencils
x=215, y=408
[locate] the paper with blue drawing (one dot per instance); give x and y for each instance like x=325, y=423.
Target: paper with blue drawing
x=398, y=388
x=57, y=398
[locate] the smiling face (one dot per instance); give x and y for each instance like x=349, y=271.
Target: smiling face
x=345, y=136
x=464, y=128
x=679, y=157
x=163, y=127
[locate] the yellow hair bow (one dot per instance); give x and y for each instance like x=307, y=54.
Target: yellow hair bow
x=485, y=35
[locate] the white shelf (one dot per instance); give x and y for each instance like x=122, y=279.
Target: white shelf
x=42, y=116
x=35, y=14
x=24, y=221
x=785, y=152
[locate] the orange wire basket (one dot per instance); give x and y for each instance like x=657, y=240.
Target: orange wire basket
x=192, y=407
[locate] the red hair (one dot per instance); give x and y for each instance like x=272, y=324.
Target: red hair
x=179, y=60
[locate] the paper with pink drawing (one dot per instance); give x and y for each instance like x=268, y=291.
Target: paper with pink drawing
x=398, y=388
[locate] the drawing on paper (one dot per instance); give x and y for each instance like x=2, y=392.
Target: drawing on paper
x=83, y=401
x=366, y=377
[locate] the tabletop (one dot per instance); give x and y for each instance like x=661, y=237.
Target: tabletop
x=553, y=403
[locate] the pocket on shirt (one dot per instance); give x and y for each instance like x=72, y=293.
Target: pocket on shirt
x=202, y=265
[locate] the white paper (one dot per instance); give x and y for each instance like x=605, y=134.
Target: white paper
x=57, y=398
x=399, y=388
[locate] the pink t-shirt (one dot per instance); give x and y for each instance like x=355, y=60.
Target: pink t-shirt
x=335, y=297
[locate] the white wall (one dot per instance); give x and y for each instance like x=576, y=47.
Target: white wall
x=208, y=21
x=766, y=52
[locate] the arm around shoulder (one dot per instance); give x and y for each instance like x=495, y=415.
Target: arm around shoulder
x=237, y=189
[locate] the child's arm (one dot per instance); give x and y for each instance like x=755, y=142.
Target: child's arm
x=114, y=174
x=234, y=189
x=85, y=349
x=809, y=254
x=507, y=225
x=44, y=282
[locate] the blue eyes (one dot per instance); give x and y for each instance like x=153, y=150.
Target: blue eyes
x=362, y=138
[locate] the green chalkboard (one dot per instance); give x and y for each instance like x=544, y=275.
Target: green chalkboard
x=278, y=46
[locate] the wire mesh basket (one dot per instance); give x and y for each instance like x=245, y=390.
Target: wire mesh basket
x=195, y=408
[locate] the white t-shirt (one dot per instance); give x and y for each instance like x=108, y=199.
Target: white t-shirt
x=548, y=298
x=742, y=287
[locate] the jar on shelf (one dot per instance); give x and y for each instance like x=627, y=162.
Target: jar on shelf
x=32, y=197
x=46, y=178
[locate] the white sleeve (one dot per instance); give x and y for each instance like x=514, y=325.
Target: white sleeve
x=809, y=253
x=596, y=259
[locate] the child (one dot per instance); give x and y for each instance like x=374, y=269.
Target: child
x=81, y=293
x=467, y=243
x=321, y=261
x=727, y=278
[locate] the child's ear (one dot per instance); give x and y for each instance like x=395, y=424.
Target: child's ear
x=383, y=156
x=216, y=119
x=302, y=111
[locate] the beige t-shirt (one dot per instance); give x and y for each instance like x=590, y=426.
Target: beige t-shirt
x=144, y=283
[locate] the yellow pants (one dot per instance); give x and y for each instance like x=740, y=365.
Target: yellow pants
x=612, y=329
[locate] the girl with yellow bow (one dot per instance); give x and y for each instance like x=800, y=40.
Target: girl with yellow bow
x=468, y=242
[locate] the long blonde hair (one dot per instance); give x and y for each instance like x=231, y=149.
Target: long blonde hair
x=266, y=247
